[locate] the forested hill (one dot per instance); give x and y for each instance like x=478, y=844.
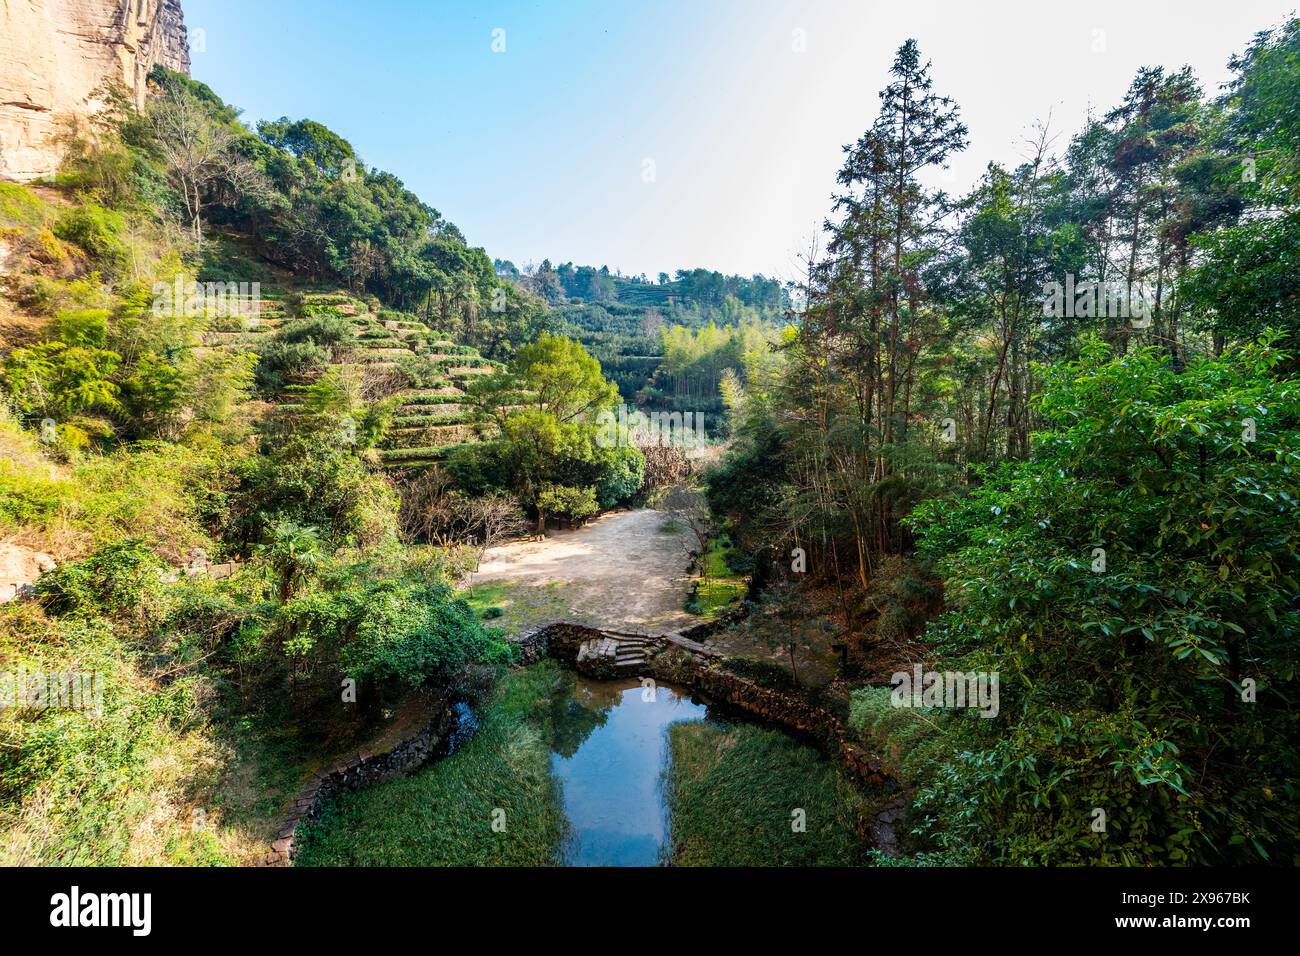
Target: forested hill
x=302, y=200
x=624, y=320
x=705, y=291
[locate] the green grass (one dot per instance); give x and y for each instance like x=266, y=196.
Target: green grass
x=484, y=596
x=522, y=605
x=721, y=588
x=732, y=793
x=20, y=206
x=443, y=815
x=115, y=788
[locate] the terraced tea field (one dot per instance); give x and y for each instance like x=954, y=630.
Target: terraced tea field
x=392, y=349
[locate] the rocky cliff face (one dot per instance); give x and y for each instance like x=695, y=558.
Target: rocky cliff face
x=55, y=53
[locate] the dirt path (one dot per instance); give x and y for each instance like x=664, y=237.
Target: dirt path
x=625, y=570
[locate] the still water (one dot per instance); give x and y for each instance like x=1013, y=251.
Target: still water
x=611, y=746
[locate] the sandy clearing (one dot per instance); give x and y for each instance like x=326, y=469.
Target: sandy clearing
x=626, y=569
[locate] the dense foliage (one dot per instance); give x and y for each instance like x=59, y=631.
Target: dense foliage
x=144, y=438
x=549, y=450
x=942, y=422
x=1134, y=582
x=634, y=326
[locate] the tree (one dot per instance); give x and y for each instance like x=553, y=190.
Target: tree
x=364, y=262
x=198, y=152
x=306, y=139
x=567, y=381
x=1154, y=132
x=686, y=504
x=498, y=517
x=1244, y=277
x=869, y=330
x=785, y=605
x=575, y=504
x=532, y=442
x=55, y=378
x=543, y=410
x=1013, y=237
x=294, y=552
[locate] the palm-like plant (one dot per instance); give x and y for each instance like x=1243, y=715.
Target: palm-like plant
x=294, y=552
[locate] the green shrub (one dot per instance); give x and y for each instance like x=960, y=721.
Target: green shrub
x=419, y=372
x=100, y=232
x=314, y=483
x=168, y=495
x=1123, y=684
x=622, y=473
x=280, y=362
x=572, y=503
x=388, y=634
x=123, y=578
x=326, y=331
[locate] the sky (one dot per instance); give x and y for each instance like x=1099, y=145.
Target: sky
x=651, y=137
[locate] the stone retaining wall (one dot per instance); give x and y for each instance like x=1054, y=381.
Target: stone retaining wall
x=559, y=639
x=778, y=707
x=398, y=753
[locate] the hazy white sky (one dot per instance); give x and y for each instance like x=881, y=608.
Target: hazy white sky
x=540, y=150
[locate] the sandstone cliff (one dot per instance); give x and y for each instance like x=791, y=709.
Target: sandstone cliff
x=55, y=53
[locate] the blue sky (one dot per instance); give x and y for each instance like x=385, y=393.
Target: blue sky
x=741, y=106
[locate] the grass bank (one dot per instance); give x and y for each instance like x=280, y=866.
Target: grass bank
x=514, y=608
x=720, y=587
x=734, y=793
x=444, y=815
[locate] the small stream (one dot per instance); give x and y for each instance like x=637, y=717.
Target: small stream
x=609, y=754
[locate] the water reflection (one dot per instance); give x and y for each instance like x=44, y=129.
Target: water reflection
x=610, y=747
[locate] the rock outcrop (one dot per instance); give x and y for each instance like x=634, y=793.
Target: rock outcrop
x=54, y=55
x=19, y=569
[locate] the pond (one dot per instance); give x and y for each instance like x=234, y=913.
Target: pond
x=555, y=768
x=609, y=752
